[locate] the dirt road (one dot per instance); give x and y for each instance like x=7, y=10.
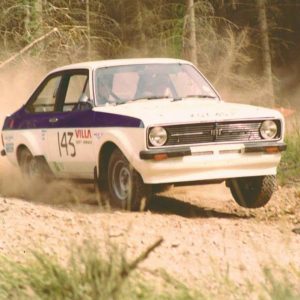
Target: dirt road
x=205, y=233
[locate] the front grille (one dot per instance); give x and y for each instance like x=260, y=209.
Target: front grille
x=237, y=131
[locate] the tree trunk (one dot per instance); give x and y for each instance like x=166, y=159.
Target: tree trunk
x=191, y=30
x=27, y=28
x=33, y=20
x=266, y=52
x=142, y=41
x=88, y=26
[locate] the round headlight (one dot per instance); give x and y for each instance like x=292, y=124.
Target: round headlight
x=268, y=130
x=158, y=136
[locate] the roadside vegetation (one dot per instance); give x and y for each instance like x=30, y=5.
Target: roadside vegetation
x=94, y=274
x=289, y=168
x=89, y=274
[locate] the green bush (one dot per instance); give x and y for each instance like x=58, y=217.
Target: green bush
x=289, y=168
x=87, y=275
x=90, y=274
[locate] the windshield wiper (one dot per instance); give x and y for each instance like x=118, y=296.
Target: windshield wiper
x=195, y=96
x=165, y=97
x=144, y=98
x=151, y=98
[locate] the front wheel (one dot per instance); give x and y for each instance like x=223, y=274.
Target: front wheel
x=252, y=192
x=126, y=187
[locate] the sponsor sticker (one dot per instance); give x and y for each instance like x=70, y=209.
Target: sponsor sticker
x=58, y=166
x=8, y=138
x=43, y=134
x=98, y=135
x=9, y=147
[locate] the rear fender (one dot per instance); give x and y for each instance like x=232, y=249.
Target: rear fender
x=33, y=141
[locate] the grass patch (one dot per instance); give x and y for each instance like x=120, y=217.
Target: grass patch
x=282, y=288
x=89, y=274
x=289, y=167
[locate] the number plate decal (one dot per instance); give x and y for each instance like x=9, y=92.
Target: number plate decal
x=66, y=145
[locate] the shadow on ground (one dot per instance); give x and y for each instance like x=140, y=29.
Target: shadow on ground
x=81, y=198
x=169, y=205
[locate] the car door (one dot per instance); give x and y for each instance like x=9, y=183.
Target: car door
x=39, y=112
x=70, y=140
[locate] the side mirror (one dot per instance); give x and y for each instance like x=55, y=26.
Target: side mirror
x=84, y=103
x=85, y=99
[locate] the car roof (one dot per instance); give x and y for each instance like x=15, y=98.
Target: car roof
x=118, y=62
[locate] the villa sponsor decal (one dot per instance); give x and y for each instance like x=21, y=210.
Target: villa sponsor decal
x=83, y=134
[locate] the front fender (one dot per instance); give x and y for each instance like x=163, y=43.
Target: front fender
x=129, y=140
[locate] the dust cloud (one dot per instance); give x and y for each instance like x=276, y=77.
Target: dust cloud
x=17, y=83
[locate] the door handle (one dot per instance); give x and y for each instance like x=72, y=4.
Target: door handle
x=53, y=120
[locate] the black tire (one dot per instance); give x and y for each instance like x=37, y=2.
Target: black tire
x=125, y=186
x=101, y=191
x=32, y=167
x=253, y=192
x=160, y=188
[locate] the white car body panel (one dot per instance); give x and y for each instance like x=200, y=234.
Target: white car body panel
x=207, y=161
x=193, y=110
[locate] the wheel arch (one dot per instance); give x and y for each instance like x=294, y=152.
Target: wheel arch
x=19, y=150
x=103, y=159
x=40, y=158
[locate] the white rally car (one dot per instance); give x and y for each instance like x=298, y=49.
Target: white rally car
x=137, y=125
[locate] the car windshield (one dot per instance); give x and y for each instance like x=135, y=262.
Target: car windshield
x=121, y=84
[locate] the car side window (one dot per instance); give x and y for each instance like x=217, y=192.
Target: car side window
x=46, y=99
x=77, y=86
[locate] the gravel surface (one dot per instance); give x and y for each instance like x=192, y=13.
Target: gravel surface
x=206, y=235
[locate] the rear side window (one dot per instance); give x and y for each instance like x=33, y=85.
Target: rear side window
x=77, y=86
x=45, y=100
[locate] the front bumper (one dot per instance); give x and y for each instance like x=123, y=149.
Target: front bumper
x=186, y=151
x=209, y=162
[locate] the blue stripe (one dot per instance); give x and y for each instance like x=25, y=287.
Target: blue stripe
x=75, y=119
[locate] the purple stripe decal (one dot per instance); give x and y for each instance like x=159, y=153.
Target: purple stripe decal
x=75, y=119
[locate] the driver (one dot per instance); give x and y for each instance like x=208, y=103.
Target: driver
x=157, y=86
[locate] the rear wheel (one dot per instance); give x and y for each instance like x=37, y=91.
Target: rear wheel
x=126, y=187
x=253, y=192
x=33, y=167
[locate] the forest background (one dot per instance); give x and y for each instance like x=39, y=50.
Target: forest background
x=247, y=48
